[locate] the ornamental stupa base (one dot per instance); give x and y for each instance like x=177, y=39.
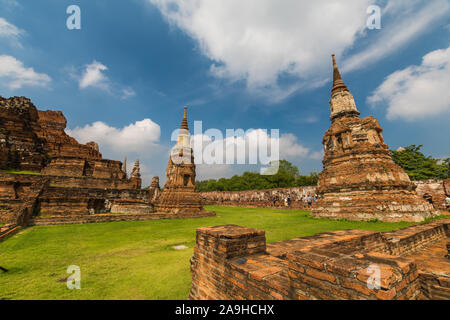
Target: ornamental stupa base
x=179, y=201
x=363, y=205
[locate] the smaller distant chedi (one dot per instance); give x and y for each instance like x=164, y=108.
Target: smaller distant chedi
x=47, y=177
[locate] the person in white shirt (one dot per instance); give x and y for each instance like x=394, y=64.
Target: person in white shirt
x=447, y=202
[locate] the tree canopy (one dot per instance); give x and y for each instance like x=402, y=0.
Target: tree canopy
x=411, y=159
x=287, y=176
x=420, y=167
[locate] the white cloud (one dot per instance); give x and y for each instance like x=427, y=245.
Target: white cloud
x=262, y=41
x=258, y=40
x=9, y=30
x=139, y=140
x=16, y=75
x=214, y=171
x=253, y=144
x=93, y=76
x=140, y=137
x=318, y=155
x=410, y=20
x=289, y=149
x=127, y=93
x=9, y=4
x=417, y=91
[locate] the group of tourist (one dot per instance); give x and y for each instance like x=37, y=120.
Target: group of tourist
x=308, y=200
x=447, y=202
x=429, y=198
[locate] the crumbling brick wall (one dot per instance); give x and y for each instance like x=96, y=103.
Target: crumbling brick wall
x=233, y=262
x=437, y=190
x=260, y=198
x=264, y=198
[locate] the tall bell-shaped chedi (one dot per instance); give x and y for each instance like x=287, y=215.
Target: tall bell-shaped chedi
x=360, y=181
x=179, y=195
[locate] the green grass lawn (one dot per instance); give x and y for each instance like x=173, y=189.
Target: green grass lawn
x=135, y=260
x=22, y=172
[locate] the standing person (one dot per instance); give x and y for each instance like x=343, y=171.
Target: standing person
x=274, y=200
x=428, y=197
x=288, y=199
x=309, y=200
x=447, y=202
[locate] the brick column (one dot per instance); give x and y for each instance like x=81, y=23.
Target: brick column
x=210, y=271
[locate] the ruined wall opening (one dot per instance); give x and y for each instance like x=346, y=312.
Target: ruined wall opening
x=96, y=206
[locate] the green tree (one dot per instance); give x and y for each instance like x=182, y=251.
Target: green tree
x=420, y=167
x=287, y=176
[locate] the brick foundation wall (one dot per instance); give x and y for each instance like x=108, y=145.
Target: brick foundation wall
x=260, y=198
x=67, y=196
x=263, y=198
x=233, y=262
x=72, y=219
x=436, y=188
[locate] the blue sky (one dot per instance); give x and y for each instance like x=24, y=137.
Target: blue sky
x=123, y=79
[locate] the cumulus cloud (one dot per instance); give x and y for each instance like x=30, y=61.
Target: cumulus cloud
x=264, y=42
x=93, y=76
x=318, y=155
x=138, y=137
x=139, y=140
x=417, y=91
x=16, y=75
x=217, y=156
x=257, y=40
x=253, y=147
x=215, y=171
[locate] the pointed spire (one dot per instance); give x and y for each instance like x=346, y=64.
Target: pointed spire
x=338, y=83
x=184, y=123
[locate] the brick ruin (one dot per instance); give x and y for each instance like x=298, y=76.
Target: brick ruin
x=360, y=181
x=439, y=190
x=260, y=198
x=179, y=191
x=67, y=182
x=233, y=263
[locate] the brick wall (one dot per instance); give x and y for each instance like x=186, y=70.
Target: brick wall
x=436, y=189
x=263, y=198
x=260, y=198
x=233, y=262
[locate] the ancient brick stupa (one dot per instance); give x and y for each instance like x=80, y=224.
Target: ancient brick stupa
x=179, y=195
x=360, y=181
